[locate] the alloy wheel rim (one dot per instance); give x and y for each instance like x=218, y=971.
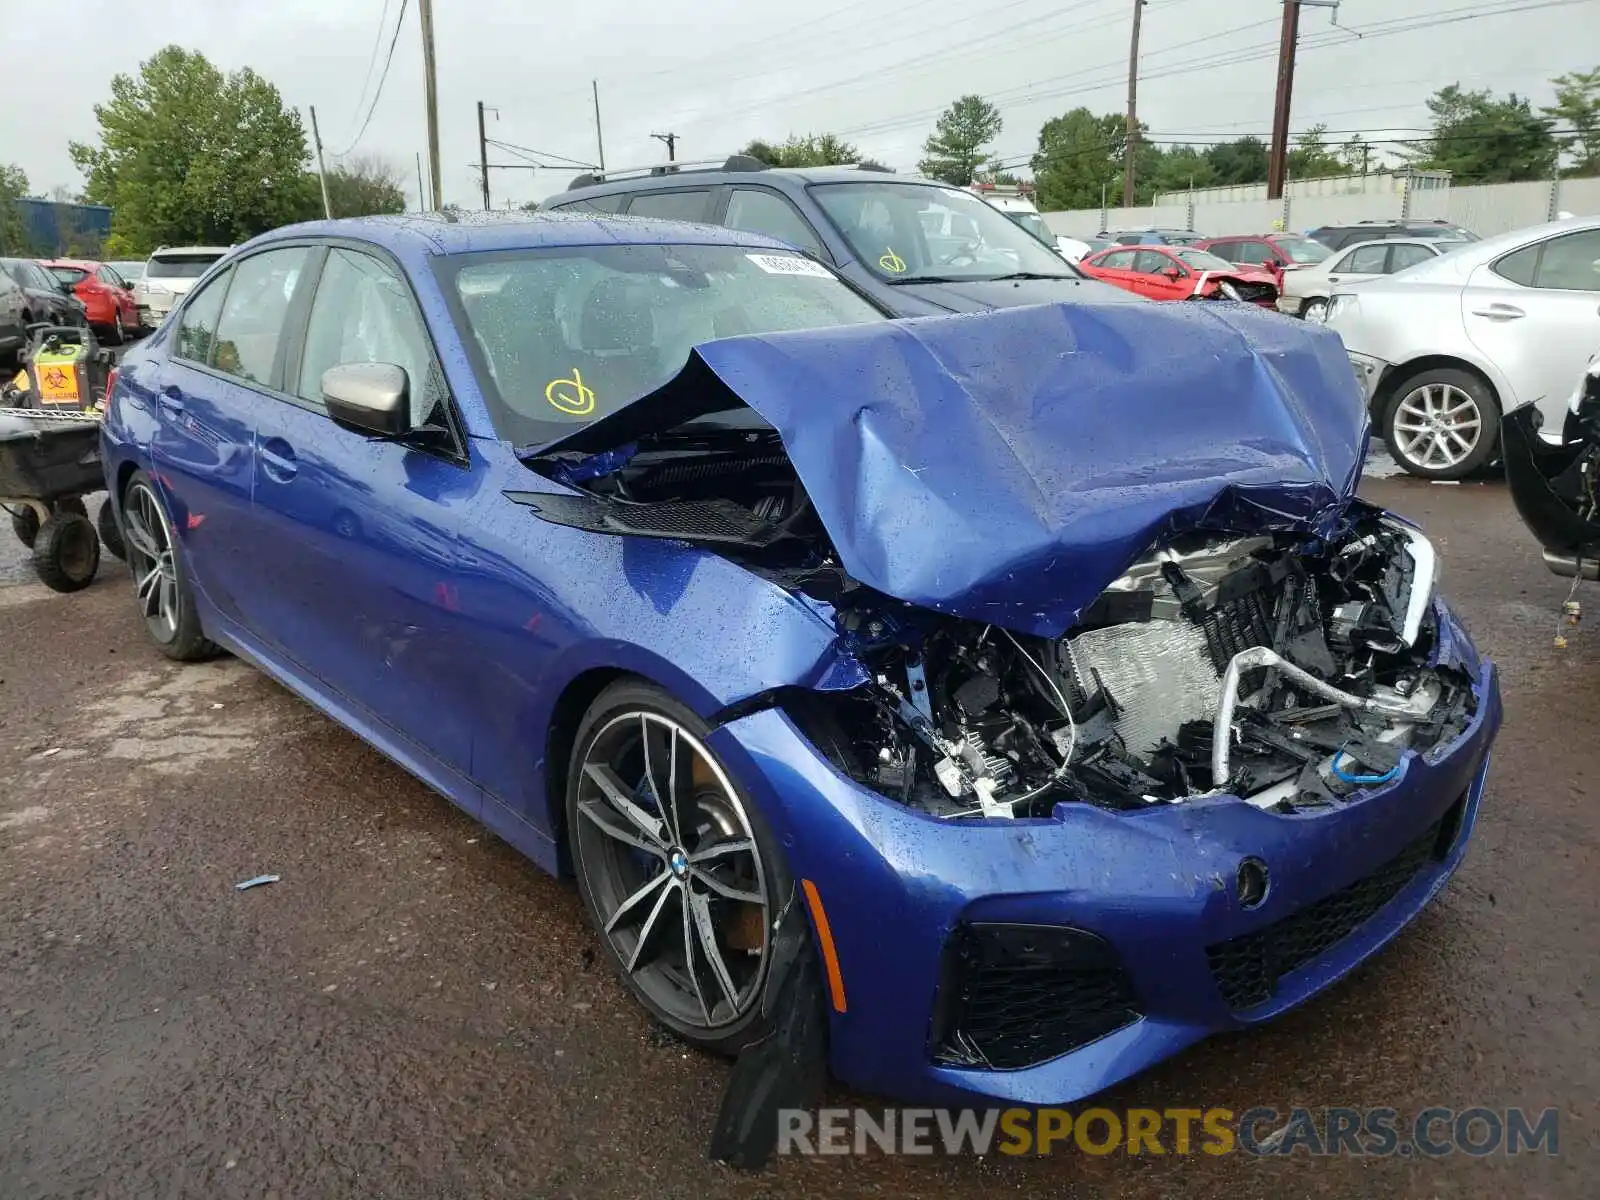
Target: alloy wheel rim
x=671, y=864
x=1437, y=426
x=150, y=557
x=1316, y=310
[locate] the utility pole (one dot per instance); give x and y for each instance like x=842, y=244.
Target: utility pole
x=1131, y=141
x=322, y=170
x=422, y=192
x=431, y=87
x=599, y=137
x=483, y=156
x=671, y=139
x=1288, y=41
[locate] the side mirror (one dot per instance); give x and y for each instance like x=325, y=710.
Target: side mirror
x=67, y=289
x=369, y=397
x=1173, y=274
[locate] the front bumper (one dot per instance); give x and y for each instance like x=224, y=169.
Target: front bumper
x=1156, y=886
x=1369, y=374
x=1553, y=491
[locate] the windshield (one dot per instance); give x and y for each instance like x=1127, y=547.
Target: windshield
x=71, y=275
x=1034, y=224
x=180, y=266
x=562, y=337
x=1302, y=250
x=917, y=232
x=1204, y=260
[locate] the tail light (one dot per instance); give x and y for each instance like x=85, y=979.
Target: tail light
x=111, y=382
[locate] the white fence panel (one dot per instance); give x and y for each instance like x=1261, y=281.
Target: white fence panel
x=1580, y=197
x=1085, y=222
x=1498, y=207
x=1244, y=216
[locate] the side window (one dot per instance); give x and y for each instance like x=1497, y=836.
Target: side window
x=1227, y=250
x=1569, y=263
x=756, y=210
x=1122, y=260
x=1150, y=262
x=672, y=206
x=197, y=328
x=599, y=204
x=1406, y=255
x=1129, y=239
x=1368, y=260
x=363, y=313
x=109, y=277
x=251, y=325
x=1252, y=252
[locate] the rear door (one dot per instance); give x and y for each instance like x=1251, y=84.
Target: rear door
x=762, y=210
x=203, y=450
x=1536, y=314
x=1364, y=262
x=360, y=533
x=1117, y=267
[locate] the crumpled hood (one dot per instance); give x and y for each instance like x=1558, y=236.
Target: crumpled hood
x=1006, y=466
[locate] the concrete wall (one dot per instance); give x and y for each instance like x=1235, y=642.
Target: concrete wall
x=1486, y=210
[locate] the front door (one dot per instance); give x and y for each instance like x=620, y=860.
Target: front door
x=360, y=533
x=1155, y=269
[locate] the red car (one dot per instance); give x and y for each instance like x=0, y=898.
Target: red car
x=106, y=296
x=1274, y=252
x=1180, y=273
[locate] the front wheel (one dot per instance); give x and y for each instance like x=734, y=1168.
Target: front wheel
x=679, y=873
x=1443, y=424
x=1315, y=310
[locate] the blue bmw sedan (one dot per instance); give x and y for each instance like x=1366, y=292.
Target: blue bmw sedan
x=1025, y=693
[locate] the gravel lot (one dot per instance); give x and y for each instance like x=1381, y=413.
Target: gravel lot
x=414, y=1011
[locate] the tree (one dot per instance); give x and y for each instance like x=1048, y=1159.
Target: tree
x=1311, y=158
x=1480, y=139
x=530, y=206
x=872, y=164
x=1242, y=161
x=954, y=151
x=188, y=154
x=812, y=150
x=13, y=187
x=1358, y=157
x=364, y=185
x=1078, y=153
x=1174, y=171
x=1577, y=107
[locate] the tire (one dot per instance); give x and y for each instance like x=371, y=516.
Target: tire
x=1442, y=423
x=610, y=869
x=25, y=524
x=1315, y=309
x=119, y=334
x=155, y=559
x=66, y=554
x=110, y=532
x=72, y=504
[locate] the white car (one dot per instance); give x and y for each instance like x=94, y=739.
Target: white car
x=168, y=276
x=1306, y=291
x=1445, y=348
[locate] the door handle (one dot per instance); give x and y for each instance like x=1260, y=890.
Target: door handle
x=278, y=460
x=1500, y=312
x=171, y=400
x=1333, y=279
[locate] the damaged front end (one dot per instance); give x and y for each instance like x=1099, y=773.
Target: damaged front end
x=1556, y=485
x=1080, y=557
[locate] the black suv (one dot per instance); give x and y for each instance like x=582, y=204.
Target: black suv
x=917, y=247
x=1337, y=237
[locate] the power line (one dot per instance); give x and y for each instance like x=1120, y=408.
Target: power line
x=378, y=94
x=1022, y=95
x=526, y=152
x=372, y=61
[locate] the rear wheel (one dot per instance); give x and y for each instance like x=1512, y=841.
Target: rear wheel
x=1315, y=309
x=679, y=873
x=110, y=532
x=1443, y=424
x=156, y=561
x=118, y=333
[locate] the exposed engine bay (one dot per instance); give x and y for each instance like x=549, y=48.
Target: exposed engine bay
x=1288, y=670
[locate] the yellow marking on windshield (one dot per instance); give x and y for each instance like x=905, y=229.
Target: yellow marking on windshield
x=892, y=262
x=571, y=396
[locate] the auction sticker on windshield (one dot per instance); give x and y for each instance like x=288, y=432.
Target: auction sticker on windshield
x=788, y=264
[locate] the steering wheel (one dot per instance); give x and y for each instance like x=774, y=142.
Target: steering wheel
x=966, y=256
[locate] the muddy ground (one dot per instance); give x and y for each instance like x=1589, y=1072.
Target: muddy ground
x=414, y=1011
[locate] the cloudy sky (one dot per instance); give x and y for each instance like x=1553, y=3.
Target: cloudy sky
x=875, y=71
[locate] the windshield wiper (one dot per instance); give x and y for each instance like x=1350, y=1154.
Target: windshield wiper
x=930, y=279
x=1028, y=275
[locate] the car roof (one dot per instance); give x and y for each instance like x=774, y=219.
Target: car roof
x=438, y=234
x=673, y=181
x=83, y=264
x=1459, y=263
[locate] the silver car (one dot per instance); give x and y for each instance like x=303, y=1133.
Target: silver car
x=1306, y=291
x=1445, y=348
x=168, y=276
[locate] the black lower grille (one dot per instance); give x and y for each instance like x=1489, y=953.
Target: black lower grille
x=1012, y=996
x=1247, y=968
x=1256, y=292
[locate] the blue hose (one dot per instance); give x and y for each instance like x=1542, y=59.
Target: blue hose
x=1348, y=778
